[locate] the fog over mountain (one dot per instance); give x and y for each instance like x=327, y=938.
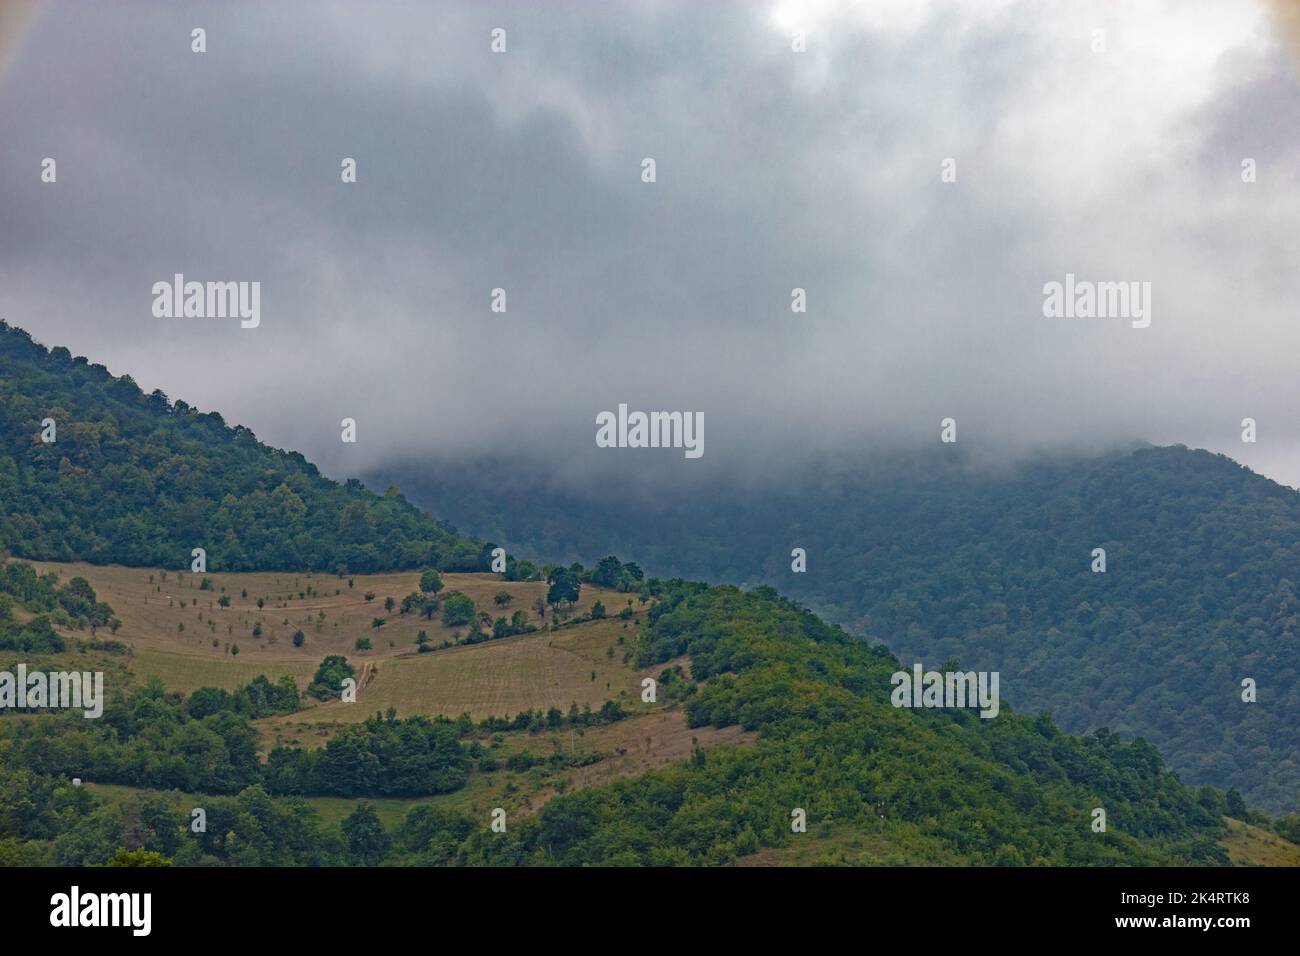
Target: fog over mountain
x=1113, y=157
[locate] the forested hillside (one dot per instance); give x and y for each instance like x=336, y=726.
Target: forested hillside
x=924, y=786
x=139, y=479
x=936, y=558
x=1009, y=791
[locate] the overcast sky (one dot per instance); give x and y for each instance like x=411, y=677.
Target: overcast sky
x=775, y=169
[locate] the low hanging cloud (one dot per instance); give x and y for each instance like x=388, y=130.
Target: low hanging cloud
x=1104, y=141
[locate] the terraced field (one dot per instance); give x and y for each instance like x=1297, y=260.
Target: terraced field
x=176, y=630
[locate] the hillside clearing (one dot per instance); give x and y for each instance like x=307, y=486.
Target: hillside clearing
x=177, y=631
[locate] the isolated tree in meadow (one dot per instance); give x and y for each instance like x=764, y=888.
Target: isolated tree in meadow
x=458, y=609
x=388, y=603
x=502, y=598
x=431, y=582
x=565, y=587
x=329, y=677
x=298, y=638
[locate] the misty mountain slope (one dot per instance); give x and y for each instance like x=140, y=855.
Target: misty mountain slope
x=939, y=560
x=139, y=480
x=1010, y=790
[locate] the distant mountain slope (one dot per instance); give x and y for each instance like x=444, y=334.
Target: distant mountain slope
x=938, y=560
x=140, y=480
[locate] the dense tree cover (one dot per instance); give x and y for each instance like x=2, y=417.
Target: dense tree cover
x=937, y=558
x=258, y=699
x=73, y=605
x=45, y=820
x=1011, y=790
x=141, y=480
x=432, y=836
x=368, y=841
x=124, y=857
x=205, y=743
x=148, y=739
x=34, y=636
x=381, y=757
